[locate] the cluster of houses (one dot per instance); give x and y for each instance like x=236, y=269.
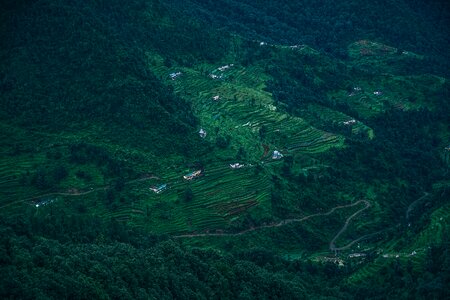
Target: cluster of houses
x=175, y=75
x=194, y=174
x=163, y=187
x=221, y=69
x=202, y=133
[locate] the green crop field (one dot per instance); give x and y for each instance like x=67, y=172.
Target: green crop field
x=311, y=150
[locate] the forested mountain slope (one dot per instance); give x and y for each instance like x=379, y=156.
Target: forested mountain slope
x=329, y=25
x=180, y=149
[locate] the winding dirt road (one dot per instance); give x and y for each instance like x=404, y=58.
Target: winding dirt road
x=332, y=246
x=344, y=228
x=412, y=205
x=285, y=222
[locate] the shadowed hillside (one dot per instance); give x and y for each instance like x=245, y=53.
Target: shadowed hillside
x=229, y=149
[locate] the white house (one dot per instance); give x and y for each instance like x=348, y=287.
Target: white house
x=276, y=155
x=174, y=75
x=236, y=166
x=202, y=133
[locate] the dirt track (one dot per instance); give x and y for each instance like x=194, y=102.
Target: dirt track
x=285, y=222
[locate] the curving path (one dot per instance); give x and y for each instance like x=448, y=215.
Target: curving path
x=285, y=222
x=332, y=246
x=344, y=228
x=413, y=204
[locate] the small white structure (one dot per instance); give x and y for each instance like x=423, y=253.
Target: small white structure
x=356, y=255
x=174, y=75
x=223, y=68
x=262, y=43
x=159, y=189
x=277, y=155
x=357, y=89
x=236, y=166
x=216, y=98
x=271, y=107
x=214, y=76
x=349, y=122
x=44, y=202
x=202, y=133
x=192, y=175
x=378, y=93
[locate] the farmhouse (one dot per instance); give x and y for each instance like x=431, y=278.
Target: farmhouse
x=216, y=98
x=356, y=255
x=174, y=75
x=223, y=68
x=202, y=133
x=44, y=202
x=378, y=93
x=236, y=166
x=277, y=155
x=159, y=189
x=192, y=175
x=349, y=122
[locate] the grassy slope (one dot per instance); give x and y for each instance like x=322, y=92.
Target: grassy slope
x=223, y=198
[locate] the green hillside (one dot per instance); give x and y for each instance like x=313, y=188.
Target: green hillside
x=217, y=161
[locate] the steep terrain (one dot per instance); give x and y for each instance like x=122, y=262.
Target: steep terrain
x=124, y=125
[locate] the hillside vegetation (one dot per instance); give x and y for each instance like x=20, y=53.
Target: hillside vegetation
x=146, y=155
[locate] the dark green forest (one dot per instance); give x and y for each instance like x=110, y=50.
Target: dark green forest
x=168, y=149
x=330, y=26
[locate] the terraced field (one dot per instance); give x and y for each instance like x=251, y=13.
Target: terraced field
x=434, y=233
x=219, y=196
x=336, y=118
x=244, y=108
x=386, y=87
x=231, y=103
